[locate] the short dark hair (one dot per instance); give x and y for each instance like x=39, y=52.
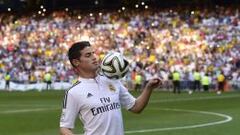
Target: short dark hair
x=74, y=51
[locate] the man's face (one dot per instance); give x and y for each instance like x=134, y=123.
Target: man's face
x=88, y=61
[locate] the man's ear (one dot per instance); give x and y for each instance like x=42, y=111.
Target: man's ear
x=75, y=62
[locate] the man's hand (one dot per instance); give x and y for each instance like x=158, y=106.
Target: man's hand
x=153, y=83
x=143, y=99
x=65, y=131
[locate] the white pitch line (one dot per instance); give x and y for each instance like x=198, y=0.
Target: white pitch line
x=227, y=119
x=26, y=110
x=27, y=105
x=194, y=98
x=151, y=101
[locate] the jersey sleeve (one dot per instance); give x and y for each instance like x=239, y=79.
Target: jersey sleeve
x=70, y=111
x=126, y=99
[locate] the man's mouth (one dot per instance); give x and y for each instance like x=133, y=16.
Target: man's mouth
x=95, y=63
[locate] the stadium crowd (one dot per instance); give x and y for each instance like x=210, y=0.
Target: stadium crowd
x=156, y=43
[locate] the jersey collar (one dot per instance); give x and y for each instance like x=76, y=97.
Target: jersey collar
x=96, y=79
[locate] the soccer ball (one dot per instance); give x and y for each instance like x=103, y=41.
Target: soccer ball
x=114, y=65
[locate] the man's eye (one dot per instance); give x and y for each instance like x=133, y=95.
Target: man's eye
x=88, y=55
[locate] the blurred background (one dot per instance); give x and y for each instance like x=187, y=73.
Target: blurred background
x=196, y=38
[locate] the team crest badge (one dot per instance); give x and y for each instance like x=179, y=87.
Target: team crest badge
x=111, y=88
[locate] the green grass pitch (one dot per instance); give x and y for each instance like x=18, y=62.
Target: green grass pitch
x=38, y=113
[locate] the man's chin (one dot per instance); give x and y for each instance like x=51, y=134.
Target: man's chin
x=97, y=68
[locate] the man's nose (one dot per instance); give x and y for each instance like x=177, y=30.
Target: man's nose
x=94, y=57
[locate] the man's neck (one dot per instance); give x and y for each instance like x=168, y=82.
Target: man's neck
x=88, y=76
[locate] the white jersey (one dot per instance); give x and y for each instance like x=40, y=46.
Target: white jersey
x=97, y=102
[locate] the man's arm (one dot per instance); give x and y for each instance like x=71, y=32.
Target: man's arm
x=69, y=113
x=142, y=101
x=65, y=131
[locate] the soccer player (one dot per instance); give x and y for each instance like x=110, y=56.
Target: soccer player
x=97, y=100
